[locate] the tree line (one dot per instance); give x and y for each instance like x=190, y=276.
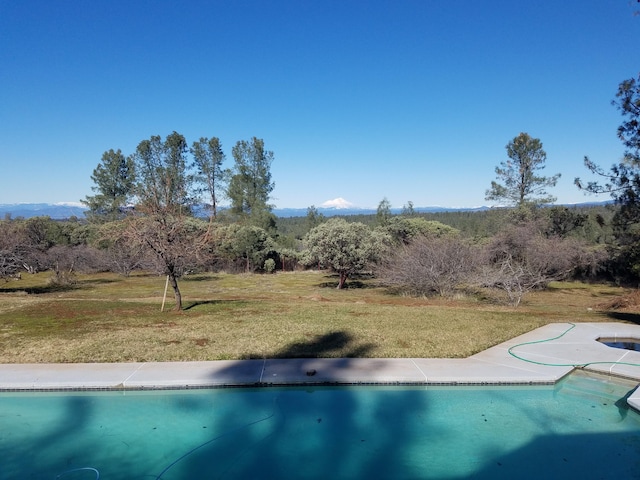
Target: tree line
x=158, y=209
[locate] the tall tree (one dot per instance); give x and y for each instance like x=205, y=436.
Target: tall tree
x=517, y=183
x=622, y=182
x=407, y=210
x=314, y=217
x=165, y=201
x=114, y=179
x=250, y=185
x=208, y=158
x=383, y=213
x=164, y=183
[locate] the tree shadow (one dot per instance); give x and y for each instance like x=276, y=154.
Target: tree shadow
x=41, y=456
x=96, y=281
x=40, y=289
x=594, y=455
x=322, y=346
x=351, y=284
x=199, y=303
x=199, y=278
x=625, y=317
x=312, y=432
x=322, y=431
x=355, y=281
x=55, y=287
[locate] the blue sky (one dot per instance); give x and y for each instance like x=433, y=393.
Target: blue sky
x=412, y=100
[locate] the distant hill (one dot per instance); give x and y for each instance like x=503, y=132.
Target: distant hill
x=61, y=211
x=56, y=211
x=333, y=211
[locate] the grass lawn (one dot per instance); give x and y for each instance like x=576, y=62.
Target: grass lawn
x=108, y=318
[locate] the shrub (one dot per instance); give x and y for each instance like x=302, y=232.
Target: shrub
x=269, y=265
x=430, y=265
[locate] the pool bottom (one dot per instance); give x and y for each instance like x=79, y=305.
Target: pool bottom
x=582, y=426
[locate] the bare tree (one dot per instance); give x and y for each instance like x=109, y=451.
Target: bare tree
x=65, y=261
x=124, y=258
x=173, y=241
x=430, y=265
x=522, y=259
x=12, y=240
x=121, y=255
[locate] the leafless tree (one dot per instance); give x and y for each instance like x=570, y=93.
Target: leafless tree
x=124, y=258
x=22, y=247
x=173, y=241
x=120, y=254
x=11, y=249
x=430, y=265
x=522, y=259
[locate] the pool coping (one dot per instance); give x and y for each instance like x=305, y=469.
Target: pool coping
x=542, y=356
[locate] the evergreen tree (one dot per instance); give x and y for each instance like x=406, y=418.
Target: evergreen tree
x=517, y=182
x=164, y=184
x=208, y=158
x=383, y=213
x=314, y=217
x=250, y=182
x=114, y=180
x=623, y=180
x=407, y=210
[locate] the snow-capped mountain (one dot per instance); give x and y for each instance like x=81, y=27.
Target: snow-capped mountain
x=338, y=203
x=56, y=211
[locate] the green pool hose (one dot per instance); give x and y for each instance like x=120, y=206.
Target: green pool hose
x=576, y=365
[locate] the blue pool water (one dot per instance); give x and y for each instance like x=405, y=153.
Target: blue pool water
x=579, y=428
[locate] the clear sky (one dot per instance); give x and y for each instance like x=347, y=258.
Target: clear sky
x=412, y=100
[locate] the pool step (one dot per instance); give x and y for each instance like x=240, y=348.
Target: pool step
x=595, y=388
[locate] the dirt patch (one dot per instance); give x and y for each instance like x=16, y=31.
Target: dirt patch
x=162, y=325
x=318, y=298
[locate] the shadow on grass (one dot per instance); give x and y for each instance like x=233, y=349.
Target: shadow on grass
x=353, y=282
x=96, y=281
x=323, y=346
x=625, y=317
x=40, y=289
x=211, y=302
x=55, y=287
x=199, y=278
x=349, y=285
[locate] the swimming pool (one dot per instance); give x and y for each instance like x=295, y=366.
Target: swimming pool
x=581, y=426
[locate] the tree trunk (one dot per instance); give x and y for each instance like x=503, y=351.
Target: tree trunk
x=342, y=281
x=176, y=291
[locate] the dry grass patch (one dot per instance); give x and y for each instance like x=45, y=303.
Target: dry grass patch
x=628, y=303
x=106, y=318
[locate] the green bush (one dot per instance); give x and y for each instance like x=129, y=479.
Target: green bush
x=269, y=265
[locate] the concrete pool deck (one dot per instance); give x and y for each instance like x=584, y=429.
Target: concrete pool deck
x=542, y=356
